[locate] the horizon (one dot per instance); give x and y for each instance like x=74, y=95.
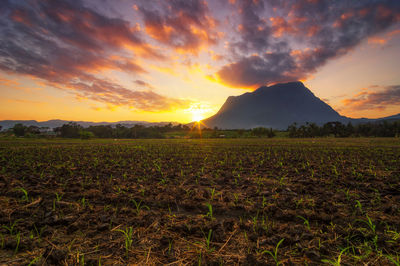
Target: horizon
x=178, y=61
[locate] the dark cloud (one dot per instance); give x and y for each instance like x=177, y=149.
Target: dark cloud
x=378, y=99
x=327, y=29
x=182, y=24
x=255, y=70
x=254, y=31
x=111, y=93
x=67, y=44
x=143, y=84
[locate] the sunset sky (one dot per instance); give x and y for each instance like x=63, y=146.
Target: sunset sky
x=113, y=60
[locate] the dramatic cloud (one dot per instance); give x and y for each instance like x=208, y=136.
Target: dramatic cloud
x=90, y=50
x=182, y=24
x=266, y=50
x=254, y=70
x=374, y=100
x=111, y=93
x=254, y=31
x=66, y=44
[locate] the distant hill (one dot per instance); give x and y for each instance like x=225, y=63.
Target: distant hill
x=277, y=107
x=6, y=124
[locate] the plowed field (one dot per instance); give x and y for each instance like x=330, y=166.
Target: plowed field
x=209, y=202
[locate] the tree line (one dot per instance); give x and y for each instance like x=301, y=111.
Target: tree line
x=337, y=129
x=309, y=130
x=74, y=130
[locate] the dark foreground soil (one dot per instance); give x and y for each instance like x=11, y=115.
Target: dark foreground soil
x=209, y=202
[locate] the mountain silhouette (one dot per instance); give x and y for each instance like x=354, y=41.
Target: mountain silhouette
x=276, y=107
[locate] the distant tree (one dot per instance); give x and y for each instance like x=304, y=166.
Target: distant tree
x=70, y=130
x=33, y=130
x=292, y=129
x=240, y=132
x=262, y=131
x=122, y=131
x=1, y=128
x=313, y=130
x=136, y=131
x=336, y=128
x=177, y=127
x=19, y=130
x=372, y=129
x=102, y=131
x=84, y=134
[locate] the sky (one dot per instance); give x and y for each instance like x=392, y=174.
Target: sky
x=178, y=60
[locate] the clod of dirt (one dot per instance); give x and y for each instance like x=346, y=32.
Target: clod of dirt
x=55, y=256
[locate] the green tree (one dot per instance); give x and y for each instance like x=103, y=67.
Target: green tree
x=262, y=131
x=70, y=130
x=84, y=134
x=19, y=130
x=292, y=129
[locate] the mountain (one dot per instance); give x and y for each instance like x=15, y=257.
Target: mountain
x=275, y=106
x=6, y=124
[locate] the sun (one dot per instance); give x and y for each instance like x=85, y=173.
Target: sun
x=197, y=115
x=199, y=111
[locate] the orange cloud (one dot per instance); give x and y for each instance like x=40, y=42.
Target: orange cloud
x=21, y=16
x=384, y=39
x=9, y=82
x=280, y=26
x=186, y=27
x=380, y=98
x=376, y=40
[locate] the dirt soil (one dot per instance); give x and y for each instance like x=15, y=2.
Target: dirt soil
x=208, y=202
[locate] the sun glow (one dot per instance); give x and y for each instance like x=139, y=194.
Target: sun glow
x=197, y=115
x=199, y=111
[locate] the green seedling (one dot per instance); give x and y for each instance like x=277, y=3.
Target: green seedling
x=334, y=171
x=305, y=221
x=212, y=191
x=84, y=202
x=275, y=253
x=264, y=201
x=395, y=260
x=10, y=228
x=35, y=260
x=338, y=260
x=25, y=196
x=369, y=223
x=18, y=238
x=170, y=242
x=207, y=242
x=359, y=206
x=56, y=200
x=128, y=238
x=139, y=206
x=281, y=180
x=372, y=227
x=210, y=210
x=255, y=221
x=81, y=259
x=39, y=233
x=236, y=196
x=394, y=236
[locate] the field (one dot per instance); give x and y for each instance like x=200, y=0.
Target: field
x=209, y=202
